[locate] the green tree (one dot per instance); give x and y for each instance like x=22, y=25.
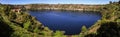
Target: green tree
x=84, y=29
x=59, y=34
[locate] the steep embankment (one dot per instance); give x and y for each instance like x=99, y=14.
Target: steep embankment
x=20, y=24
x=109, y=25
x=78, y=7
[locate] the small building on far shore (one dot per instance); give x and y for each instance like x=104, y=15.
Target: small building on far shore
x=16, y=9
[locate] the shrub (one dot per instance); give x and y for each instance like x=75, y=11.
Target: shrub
x=27, y=24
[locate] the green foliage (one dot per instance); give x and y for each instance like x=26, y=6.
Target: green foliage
x=46, y=32
x=24, y=25
x=81, y=35
x=21, y=24
x=27, y=24
x=107, y=29
x=59, y=34
x=83, y=29
x=109, y=24
x=36, y=30
x=118, y=20
x=110, y=11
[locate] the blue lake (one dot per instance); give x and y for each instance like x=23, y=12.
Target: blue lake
x=68, y=21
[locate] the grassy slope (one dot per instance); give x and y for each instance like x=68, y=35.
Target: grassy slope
x=16, y=24
x=108, y=25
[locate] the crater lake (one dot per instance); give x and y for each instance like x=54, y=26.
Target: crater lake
x=68, y=21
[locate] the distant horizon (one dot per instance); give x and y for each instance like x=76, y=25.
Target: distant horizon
x=51, y=4
x=86, y=2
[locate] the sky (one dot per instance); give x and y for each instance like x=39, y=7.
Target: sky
x=55, y=1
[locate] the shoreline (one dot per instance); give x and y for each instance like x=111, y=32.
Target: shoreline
x=60, y=9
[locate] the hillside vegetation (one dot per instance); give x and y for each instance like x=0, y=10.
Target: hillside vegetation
x=21, y=24
x=109, y=25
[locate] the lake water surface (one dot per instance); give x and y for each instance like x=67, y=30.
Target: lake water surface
x=68, y=21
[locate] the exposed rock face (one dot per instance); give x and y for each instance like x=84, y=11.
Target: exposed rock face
x=63, y=7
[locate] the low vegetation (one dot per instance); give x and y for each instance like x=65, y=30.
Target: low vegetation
x=109, y=25
x=21, y=24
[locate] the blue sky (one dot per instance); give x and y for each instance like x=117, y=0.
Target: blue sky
x=56, y=1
